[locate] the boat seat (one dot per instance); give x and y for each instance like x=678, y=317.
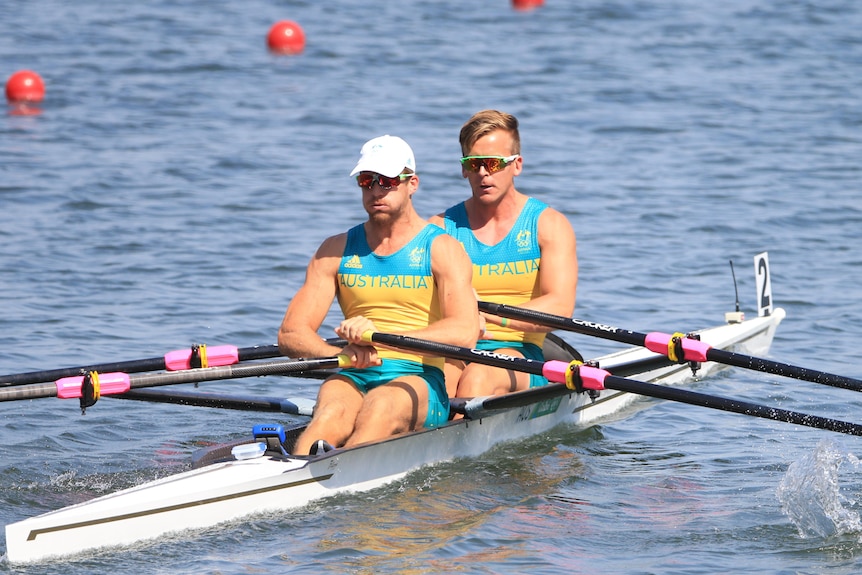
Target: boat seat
x=556, y=348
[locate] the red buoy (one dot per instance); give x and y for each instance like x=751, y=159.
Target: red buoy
x=25, y=86
x=286, y=37
x=527, y=4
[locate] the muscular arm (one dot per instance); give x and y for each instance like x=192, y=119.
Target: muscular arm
x=297, y=336
x=558, y=272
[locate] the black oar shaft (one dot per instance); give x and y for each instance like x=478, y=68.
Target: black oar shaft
x=277, y=367
x=463, y=353
x=130, y=366
x=232, y=372
x=608, y=381
x=134, y=366
x=565, y=323
x=731, y=405
x=217, y=400
x=782, y=369
x=640, y=339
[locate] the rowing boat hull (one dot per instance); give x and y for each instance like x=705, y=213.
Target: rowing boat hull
x=229, y=490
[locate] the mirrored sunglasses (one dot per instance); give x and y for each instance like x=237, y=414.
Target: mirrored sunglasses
x=366, y=180
x=492, y=164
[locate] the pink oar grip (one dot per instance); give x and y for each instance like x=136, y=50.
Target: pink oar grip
x=555, y=371
x=693, y=349
x=109, y=384
x=216, y=355
x=591, y=377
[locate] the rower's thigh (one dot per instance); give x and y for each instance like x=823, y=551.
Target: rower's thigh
x=403, y=402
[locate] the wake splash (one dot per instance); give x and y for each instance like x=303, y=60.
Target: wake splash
x=812, y=497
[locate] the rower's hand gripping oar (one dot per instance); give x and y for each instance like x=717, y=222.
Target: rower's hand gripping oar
x=576, y=377
x=678, y=347
x=90, y=386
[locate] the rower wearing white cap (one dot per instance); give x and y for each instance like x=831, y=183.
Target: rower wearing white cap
x=394, y=273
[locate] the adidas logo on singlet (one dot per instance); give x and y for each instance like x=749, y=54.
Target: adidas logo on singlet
x=353, y=263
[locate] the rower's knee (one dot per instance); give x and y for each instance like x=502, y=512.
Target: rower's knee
x=333, y=422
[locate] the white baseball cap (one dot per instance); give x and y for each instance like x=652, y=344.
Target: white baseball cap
x=387, y=155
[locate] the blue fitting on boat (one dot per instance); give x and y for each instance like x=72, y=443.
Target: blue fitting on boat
x=264, y=430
